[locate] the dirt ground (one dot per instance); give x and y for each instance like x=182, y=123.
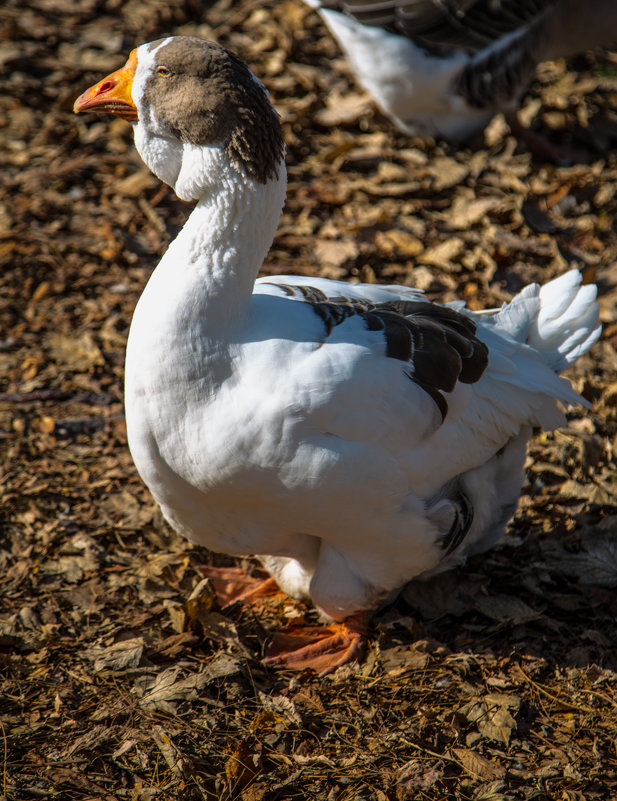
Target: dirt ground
x=119, y=678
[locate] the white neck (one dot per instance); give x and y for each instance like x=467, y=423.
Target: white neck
x=205, y=279
x=197, y=298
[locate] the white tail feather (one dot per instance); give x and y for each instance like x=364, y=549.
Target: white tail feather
x=559, y=319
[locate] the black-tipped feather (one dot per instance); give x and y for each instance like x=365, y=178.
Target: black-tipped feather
x=438, y=343
x=463, y=518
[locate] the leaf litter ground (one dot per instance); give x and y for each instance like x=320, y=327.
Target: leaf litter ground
x=120, y=678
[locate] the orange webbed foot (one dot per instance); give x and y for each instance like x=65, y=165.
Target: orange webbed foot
x=233, y=584
x=321, y=648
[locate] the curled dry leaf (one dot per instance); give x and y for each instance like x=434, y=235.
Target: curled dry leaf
x=120, y=655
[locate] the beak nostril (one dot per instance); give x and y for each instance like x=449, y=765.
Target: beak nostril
x=105, y=87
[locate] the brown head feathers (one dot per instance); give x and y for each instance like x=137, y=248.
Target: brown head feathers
x=204, y=94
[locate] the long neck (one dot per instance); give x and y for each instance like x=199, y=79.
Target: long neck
x=205, y=279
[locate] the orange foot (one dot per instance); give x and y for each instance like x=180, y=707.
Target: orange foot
x=233, y=584
x=322, y=648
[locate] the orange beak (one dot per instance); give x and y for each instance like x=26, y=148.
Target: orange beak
x=112, y=94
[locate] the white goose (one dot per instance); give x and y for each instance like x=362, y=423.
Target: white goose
x=445, y=67
x=352, y=437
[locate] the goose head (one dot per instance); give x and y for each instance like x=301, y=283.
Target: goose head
x=187, y=98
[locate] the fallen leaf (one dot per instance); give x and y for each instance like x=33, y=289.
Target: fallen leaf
x=79, y=353
x=445, y=594
x=505, y=608
x=466, y=211
x=135, y=184
x=120, y=655
x=343, y=110
x=446, y=172
x=492, y=715
x=478, y=766
x=396, y=242
x=168, y=686
x=335, y=252
x=415, y=776
x=595, y=564
x=170, y=751
x=441, y=255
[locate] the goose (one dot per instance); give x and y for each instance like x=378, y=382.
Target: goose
x=444, y=68
x=351, y=437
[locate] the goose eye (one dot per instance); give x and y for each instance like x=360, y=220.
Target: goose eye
x=164, y=71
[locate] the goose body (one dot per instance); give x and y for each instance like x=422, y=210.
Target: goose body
x=445, y=68
x=351, y=436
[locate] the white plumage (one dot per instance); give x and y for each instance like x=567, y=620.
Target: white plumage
x=276, y=417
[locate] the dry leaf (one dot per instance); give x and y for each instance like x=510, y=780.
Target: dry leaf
x=135, y=184
x=445, y=594
x=441, y=255
x=343, y=110
x=90, y=739
x=415, y=776
x=170, y=752
x=595, y=564
x=283, y=706
x=402, y=658
x=396, y=242
x=492, y=716
x=167, y=686
x=468, y=211
x=335, y=252
x=242, y=766
x=478, y=766
x=446, y=172
x=505, y=608
x=120, y=655
x=71, y=568
x=123, y=509
x=492, y=791
x=79, y=353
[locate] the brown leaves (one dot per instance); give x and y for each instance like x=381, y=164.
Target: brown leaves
x=478, y=766
x=75, y=353
x=119, y=678
x=595, y=563
x=493, y=716
x=123, y=654
x=415, y=776
x=334, y=252
x=467, y=211
x=169, y=687
x=343, y=110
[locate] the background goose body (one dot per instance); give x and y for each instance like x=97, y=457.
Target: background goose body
x=445, y=68
x=351, y=436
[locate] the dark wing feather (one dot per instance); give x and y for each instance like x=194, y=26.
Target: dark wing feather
x=446, y=337
x=495, y=78
x=438, y=344
x=445, y=25
x=463, y=518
